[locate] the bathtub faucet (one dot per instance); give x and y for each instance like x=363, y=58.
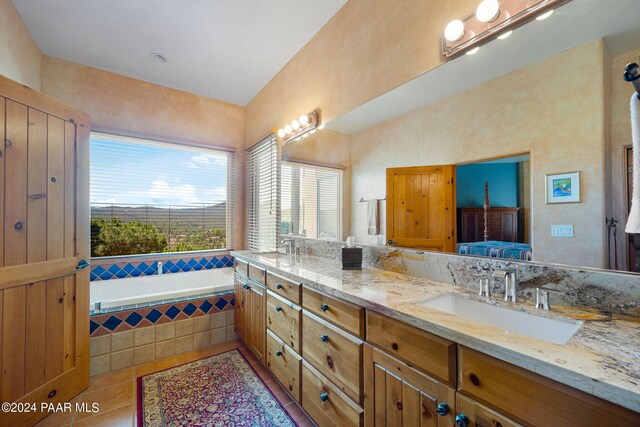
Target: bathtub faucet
x=159, y=267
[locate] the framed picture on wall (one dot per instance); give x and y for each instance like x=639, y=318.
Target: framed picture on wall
x=562, y=187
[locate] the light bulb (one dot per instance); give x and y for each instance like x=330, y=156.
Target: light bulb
x=545, y=15
x=505, y=35
x=303, y=119
x=288, y=129
x=454, y=30
x=281, y=133
x=488, y=10
x=295, y=125
x=473, y=51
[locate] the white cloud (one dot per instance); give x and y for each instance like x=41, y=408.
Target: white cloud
x=161, y=191
x=215, y=194
x=209, y=159
x=111, y=200
x=190, y=165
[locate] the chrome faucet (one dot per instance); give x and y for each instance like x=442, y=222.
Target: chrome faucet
x=485, y=289
x=289, y=245
x=542, y=298
x=510, y=283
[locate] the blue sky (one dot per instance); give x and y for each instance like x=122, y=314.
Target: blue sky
x=146, y=172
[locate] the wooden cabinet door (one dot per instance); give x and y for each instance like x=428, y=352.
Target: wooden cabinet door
x=239, y=306
x=256, y=320
x=44, y=247
x=478, y=415
x=421, y=207
x=395, y=394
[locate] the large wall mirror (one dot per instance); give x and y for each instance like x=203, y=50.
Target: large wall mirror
x=542, y=117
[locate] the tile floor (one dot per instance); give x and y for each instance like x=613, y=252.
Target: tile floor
x=116, y=393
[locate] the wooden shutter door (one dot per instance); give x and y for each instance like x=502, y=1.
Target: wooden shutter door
x=44, y=223
x=421, y=207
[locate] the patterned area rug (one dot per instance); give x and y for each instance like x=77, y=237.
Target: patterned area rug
x=221, y=390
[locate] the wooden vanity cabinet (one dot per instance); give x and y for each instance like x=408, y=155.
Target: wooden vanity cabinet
x=255, y=320
x=249, y=311
x=239, y=305
x=532, y=399
x=397, y=394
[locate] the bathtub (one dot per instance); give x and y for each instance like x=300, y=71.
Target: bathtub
x=158, y=288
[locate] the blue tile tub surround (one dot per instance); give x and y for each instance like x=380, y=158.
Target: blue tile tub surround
x=124, y=320
x=120, y=270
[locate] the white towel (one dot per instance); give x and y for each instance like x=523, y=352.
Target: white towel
x=373, y=217
x=633, y=223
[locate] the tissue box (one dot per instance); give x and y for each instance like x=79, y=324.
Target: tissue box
x=352, y=258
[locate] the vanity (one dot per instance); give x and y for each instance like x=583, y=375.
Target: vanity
x=375, y=347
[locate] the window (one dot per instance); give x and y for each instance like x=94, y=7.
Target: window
x=311, y=201
x=152, y=197
x=262, y=195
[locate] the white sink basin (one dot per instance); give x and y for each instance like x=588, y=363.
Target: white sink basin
x=557, y=331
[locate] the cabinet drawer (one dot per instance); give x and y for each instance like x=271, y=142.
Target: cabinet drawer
x=325, y=403
x=283, y=318
x=258, y=274
x=431, y=353
x=335, y=353
x=242, y=267
x=531, y=399
x=479, y=415
x=284, y=287
x=284, y=364
x=348, y=316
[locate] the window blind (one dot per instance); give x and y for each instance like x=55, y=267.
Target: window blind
x=262, y=195
x=311, y=201
x=150, y=196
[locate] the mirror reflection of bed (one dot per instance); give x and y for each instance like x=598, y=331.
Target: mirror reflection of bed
x=494, y=208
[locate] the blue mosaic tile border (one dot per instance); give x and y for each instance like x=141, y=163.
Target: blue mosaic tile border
x=122, y=270
x=106, y=323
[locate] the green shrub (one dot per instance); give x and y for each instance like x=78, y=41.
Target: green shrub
x=110, y=238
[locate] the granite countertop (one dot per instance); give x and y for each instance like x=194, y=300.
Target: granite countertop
x=602, y=358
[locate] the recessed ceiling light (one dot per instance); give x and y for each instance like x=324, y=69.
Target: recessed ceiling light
x=157, y=58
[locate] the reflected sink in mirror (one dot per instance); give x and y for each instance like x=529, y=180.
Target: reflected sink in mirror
x=556, y=331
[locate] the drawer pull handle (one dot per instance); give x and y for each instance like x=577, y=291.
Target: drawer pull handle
x=324, y=307
x=279, y=353
x=278, y=308
x=474, y=380
x=442, y=409
x=279, y=286
x=462, y=420
x=324, y=397
x=52, y=393
x=324, y=338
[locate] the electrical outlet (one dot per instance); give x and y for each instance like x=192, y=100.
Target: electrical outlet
x=562, y=230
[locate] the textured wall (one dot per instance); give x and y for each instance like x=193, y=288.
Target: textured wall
x=366, y=49
x=20, y=58
x=124, y=105
x=545, y=109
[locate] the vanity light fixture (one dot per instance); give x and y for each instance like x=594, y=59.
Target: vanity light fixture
x=488, y=11
x=492, y=19
x=302, y=127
